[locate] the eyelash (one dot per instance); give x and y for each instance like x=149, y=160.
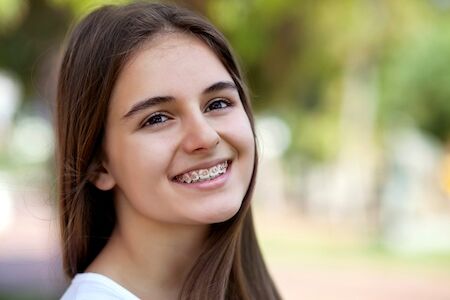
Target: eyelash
x=147, y=122
x=161, y=115
x=218, y=100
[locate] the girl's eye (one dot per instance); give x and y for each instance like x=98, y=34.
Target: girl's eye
x=155, y=120
x=218, y=104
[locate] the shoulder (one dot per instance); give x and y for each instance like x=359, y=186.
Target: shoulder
x=89, y=286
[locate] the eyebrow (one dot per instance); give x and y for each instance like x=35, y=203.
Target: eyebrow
x=220, y=86
x=152, y=101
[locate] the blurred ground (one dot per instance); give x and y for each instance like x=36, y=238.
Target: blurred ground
x=30, y=266
x=318, y=261
x=314, y=281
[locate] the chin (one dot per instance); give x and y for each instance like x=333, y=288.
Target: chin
x=222, y=214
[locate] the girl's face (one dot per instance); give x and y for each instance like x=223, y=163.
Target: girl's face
x=178, y=144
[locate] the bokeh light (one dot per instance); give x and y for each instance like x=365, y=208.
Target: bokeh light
x=32, y=140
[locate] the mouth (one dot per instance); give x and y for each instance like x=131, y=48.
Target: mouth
x=210, y=174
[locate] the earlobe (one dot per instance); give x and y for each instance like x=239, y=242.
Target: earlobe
x=103, y=179
x=104, y=182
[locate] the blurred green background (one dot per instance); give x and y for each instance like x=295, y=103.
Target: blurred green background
x=352, y=100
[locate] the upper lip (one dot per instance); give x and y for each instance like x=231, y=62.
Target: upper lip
x=203, y=165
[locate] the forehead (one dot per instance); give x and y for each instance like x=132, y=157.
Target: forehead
x=174, y=64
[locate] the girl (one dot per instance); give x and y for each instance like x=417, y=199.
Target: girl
x=156, y=160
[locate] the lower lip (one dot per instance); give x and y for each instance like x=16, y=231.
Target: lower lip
x=209, y=184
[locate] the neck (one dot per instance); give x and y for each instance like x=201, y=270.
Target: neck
x=150, y=259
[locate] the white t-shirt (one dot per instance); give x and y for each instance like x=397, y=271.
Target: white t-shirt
x=88, y=286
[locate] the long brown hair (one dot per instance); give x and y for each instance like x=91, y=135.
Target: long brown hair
x=231, y=265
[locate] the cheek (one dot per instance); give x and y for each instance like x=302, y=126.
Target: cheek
x=137, y=160
x=241, y=134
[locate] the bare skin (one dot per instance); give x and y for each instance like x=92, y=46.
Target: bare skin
x=155, y=268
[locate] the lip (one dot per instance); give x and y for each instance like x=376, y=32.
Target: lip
x=205, y=165
x=209, y=184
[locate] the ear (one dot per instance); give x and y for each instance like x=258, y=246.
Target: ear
x=101, y=177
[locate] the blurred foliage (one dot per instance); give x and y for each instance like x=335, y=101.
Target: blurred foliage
x=11, y=14
x=296, y=55
x=39, y=31
x=417, y=81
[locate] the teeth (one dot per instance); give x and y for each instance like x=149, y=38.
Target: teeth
x=214, y=171
x=203, y=174
x=186, y=178
x=194, y=176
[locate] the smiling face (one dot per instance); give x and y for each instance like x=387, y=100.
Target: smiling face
x=178, y=144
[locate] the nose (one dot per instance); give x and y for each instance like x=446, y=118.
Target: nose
x=199, y=135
